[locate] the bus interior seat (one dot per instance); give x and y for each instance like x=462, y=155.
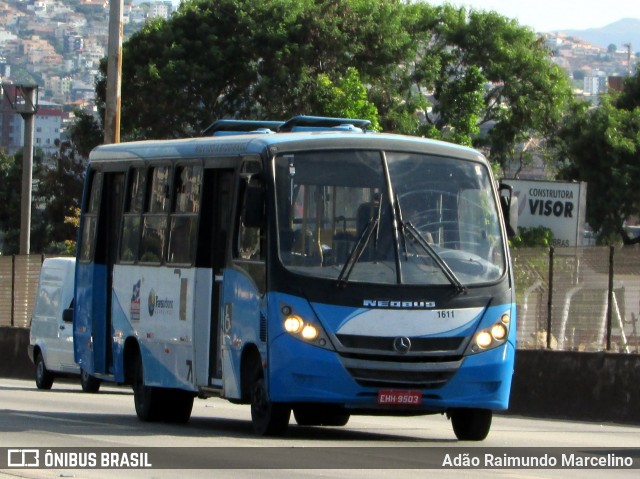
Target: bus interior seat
x=343, y=243
x=306, y=249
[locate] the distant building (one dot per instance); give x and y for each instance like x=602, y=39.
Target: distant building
x=160, y=9
x=596, y=83
x=47, y=125
x=59, y=87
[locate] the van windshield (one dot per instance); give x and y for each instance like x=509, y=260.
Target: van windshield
x=388, y=218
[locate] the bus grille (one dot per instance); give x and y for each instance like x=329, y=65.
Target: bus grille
x=424, y=345
x=373, y=361
x=401, y=374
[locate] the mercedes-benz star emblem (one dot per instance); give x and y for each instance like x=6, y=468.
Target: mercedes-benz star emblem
x=402, y=344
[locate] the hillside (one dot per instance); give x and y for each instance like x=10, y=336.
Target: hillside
x=618, y=33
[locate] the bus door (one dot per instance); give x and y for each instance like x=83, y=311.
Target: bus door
x=211, y=256
x=106, y=252
x=244, y=305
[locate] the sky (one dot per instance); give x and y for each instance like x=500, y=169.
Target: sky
x=554, y=15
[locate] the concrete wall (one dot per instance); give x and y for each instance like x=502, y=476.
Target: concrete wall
x=551, y=384
x=14, y=360
x=600, y=387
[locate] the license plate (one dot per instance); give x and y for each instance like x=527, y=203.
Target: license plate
x=390, y=397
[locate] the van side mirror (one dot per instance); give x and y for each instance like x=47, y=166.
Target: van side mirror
x=509, y=204
x=67, y=315
x=253, y=204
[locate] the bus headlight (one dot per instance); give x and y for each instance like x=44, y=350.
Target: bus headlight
x=293, y=324
x=310, y=332
x=491, y=337
x=498, y=331
x=483, y=339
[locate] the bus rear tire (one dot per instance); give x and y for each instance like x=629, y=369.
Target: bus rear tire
x=178, y=406
x=149, y=401
x=268, y=418
x=470, y=424
x=44, y=377
x=88, y=382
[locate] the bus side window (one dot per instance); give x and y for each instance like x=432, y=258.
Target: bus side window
x=92, y=206
x=154, y=218
x=183, y=225
x=134, y=200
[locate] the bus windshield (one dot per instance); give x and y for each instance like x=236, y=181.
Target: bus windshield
x=363, y=216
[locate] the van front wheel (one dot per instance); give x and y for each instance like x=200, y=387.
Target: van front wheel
x=44, y=377
x=88, y=382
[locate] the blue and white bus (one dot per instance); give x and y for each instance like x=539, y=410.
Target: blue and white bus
x=324, y=270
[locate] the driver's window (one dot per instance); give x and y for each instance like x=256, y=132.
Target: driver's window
x=250, y=243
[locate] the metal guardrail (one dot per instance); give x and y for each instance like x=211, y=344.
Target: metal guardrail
x=587, y=297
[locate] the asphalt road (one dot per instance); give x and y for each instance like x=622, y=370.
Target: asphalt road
x=219, y=438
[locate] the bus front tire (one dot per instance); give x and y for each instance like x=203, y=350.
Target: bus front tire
x=318, y=416
x=44, y=377
x=268, y=418
x=471, y=424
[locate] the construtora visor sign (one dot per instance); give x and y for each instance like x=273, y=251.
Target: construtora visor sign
x=559, y=206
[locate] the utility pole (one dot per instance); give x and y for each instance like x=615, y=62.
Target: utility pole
x=628, y=46
x=114, y=71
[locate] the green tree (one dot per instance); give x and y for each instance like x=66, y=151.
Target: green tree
x=536, y=237
x=57, y=192
x=600, y=146
x=84, y=134
x=249, y=59
x=629, y=99
x=345, y=98
x=485, y=69
x=59, y=186
x=442, y=72
x=10, y=186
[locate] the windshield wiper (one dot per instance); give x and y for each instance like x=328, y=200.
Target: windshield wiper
x=419, y=239
x=361, y=244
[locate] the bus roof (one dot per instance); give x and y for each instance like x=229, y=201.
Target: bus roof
x=253, y=143
x=235, y=127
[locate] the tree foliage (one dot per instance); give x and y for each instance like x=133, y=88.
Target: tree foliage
x=346, y=98
x=58, y=193
x=536, y=237
x=272, y=59
x=600, y=146
x=10, y=186
x=58, y=182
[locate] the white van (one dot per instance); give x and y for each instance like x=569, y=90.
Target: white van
x=51, y=337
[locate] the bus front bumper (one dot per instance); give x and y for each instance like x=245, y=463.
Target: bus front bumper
x=300, y=373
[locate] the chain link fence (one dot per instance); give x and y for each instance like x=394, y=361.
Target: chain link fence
x=589, y=298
